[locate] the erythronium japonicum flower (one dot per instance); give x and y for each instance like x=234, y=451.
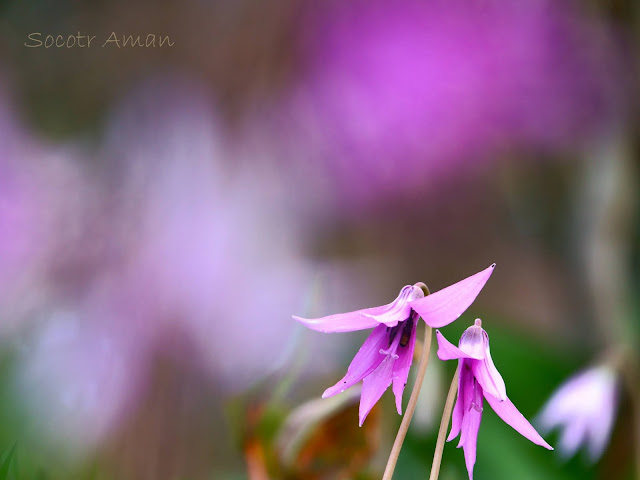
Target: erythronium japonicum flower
x=386, y=356
x=478, y=378
x=584, y=407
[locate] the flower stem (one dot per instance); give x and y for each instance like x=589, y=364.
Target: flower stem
x=411, y=406
x=444, y=423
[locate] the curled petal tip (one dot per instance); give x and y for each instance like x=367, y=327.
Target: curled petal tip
x=545, y=445
x=302, y=320
x=493, y=265
x=331, y=391
x=305, y=321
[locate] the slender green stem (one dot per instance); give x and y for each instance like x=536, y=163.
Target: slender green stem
x=444, y=424
x=411, y=406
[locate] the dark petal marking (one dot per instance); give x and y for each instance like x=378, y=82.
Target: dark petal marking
x=393, y=331
x=406, y=331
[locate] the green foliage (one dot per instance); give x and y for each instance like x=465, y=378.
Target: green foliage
x=5, y=462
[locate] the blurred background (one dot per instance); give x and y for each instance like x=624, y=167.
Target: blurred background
x=166, y=207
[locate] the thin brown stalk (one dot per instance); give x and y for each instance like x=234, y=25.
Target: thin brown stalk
x=444, y=424
x=411, y=406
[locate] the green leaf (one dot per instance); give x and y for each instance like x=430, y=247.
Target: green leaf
x=6, y=463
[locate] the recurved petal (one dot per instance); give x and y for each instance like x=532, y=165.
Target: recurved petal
x=341, y=322
x=366, y=361
x=374, y=385
x=447, y=350
x=444, y=306
x=389, y=314
x=474, y=341
x=488, y=376
x=398, y=310
x=401, y=368
x=510, y=415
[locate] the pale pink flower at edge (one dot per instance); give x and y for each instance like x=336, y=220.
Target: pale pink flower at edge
x=584, y=407
x=478, y=378
x=386, y=355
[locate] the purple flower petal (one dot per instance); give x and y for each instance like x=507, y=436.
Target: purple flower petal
x=600, y=431
x=374, y=385
x=465, y=381
x=472, y=405
x=340, y=322
x=470, y=427
x=510, y=415
x=390, y=314
x=448, y=351
x=474, y=341
x=472, y=420
x=398, y=310
x=366, y=361
x=488, y=376
x=573, y=435
x=401, y=368
x=444, y=306
x=479, y=378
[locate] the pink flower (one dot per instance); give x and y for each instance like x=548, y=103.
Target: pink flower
x=164, y=239
x=443, y=88
x=479, y=377
x=205, y=223
x=385, y=357
x=584, y=406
